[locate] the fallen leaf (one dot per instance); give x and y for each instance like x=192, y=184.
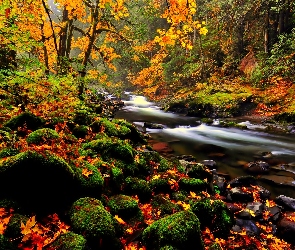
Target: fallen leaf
x=86, y=172
x=120, y=220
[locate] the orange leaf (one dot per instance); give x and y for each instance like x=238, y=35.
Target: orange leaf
x=86, y=172
x=120, y=220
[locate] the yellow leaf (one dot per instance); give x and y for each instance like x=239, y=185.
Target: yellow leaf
x=26, y=229
x=120, y=220
x=86, y=172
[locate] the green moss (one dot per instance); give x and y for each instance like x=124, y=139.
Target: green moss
x=215, y=246
x=124, y=206
x=42, y=136
x=82, y=116
x=117, y=177
x=127, y=168
x=6, y=152
x=180, y=196
x=5, y=244
x=47, y=176
x=168, y=248
x=199, y=171
x=180, y=230
x=207, y=120
x=13, y=229
x=4, y=136
x=163, y=204
x=27, y=119
x=110, y=128
x=91, y=183
x=192, y=184
x=69, y=241
x=89, y=218
x=160, y=184
x=164, y=165
x=80, y=131
x=214, y=215
x=139, y=187
x=113, y=148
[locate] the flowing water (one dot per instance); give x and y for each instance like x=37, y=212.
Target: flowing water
x=231, y=148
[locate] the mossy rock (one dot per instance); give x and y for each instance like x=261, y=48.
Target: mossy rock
x=108, y=147
x=37, y=182
x=168, y=248
x=90, y=179
x=117, y=178
x=13, y=229
x=164, y=204
x=5, y=136
x=139, y=187
x=193, y=184
x=180, y=230
x=285, y=117
x=6, y=152
x=80, y=131
x=179, y=196
x=110, y=128
x=128, y=168
x=69, y=241
x=27, y=119
x=89, y=218
x=124, y=206
x=199, y=171
x=42, y=135
x=215, y=215
x=82, y=116
x=159, y=183
x=215, y=246
x=5, y=244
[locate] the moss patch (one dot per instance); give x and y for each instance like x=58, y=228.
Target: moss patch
x=42, y=136
x=69, y=241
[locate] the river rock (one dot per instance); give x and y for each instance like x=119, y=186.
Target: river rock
x=274, y=213
x=162, y=148
x=151, y=125
x=278, y=179
x=233, y=208
x=257, y=209
x=257, y=167
x=286, y=227
x=287, y=202
x=236, y=194
x=243, y=181
x=209, y=163
x=264, y=194
x=188, y=158
x=248, y=225
x=219, y=181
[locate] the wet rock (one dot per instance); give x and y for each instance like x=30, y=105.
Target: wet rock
x=286, y=227
x=209, y=163
x=258, y=167
x=257, y=209
x=278, y=179
x=243, y=181
x=238, y=195
x=162, y=147
x=263, y=192
x=248, y=225
x=153, y=125
x=233, y=208
x=188, y=158
x=274, y=213
x=287, y=202
x=220, y=182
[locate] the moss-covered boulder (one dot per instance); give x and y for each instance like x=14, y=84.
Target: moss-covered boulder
x=193, y=184
x=199, y=171
x=114, y=148
x=80, y=131
x=43, y=135
x=82, y=116
x=110, y=128
x=6, y=244
x=159, y=183
x=89, y=218
x=180, y=230
x=38, y=182
x=25, y=119
x=139, y=187
x=89, y=178
x=213, y=214
x=6, y=152
x=163, y=204
x=13, y=229
x=124, y=206
x=117, y=178
x=69, y=241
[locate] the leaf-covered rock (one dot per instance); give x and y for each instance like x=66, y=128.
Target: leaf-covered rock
x=27, y=119
x=69, y=241
x=42, y=135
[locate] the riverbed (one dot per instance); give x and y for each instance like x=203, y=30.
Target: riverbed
x=231, y=148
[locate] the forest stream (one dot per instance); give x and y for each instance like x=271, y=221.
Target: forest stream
x=231, y=148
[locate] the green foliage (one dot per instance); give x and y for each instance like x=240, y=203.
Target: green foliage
x=160, y=184
x=110, y=128
x=180, y=230
x=199, y=171
x=89, y=218
x=6, y=152
x=43, y=135
x=68, y=240
x=80, y=131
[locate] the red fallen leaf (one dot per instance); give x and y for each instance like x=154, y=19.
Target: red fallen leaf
x=7, y=13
